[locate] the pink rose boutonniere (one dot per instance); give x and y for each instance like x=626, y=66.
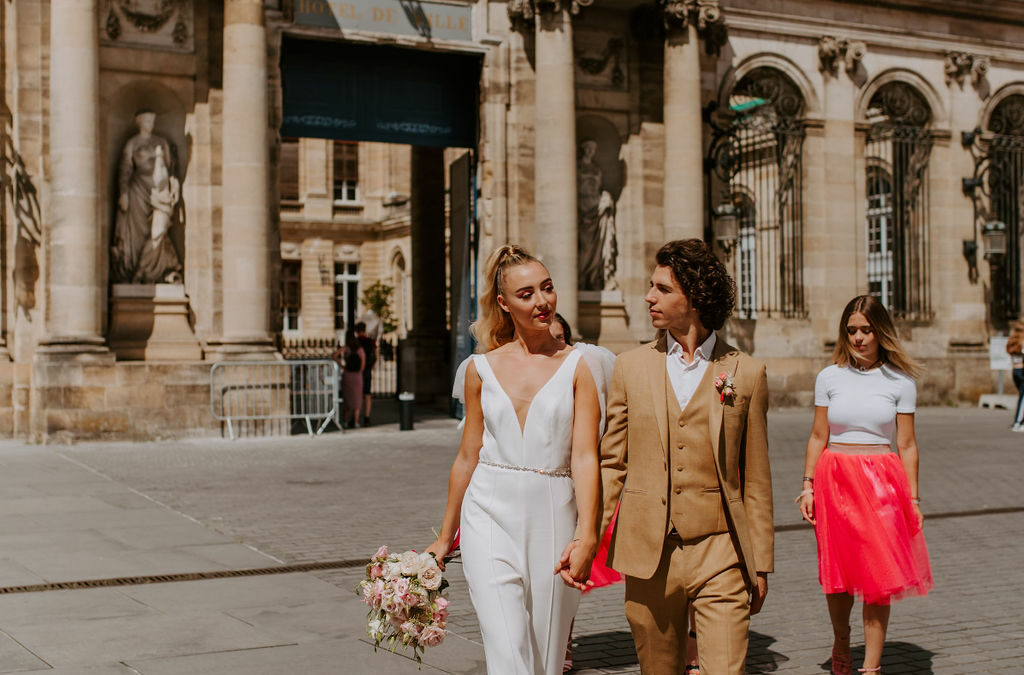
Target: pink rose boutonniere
x=726, y=387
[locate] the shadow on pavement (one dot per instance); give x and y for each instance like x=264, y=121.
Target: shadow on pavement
x=604, y=650
x=760, y=657
x=904, y=658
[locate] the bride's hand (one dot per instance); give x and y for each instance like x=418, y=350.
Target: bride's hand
x=574, y=564
x=440, y=549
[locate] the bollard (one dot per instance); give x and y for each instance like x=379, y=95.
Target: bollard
x=405, y=400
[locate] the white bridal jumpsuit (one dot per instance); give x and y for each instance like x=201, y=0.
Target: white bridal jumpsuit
x=515, y=523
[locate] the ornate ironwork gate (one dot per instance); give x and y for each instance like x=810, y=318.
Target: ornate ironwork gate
x=756, y=165
x=997, y=189
x=897, y=150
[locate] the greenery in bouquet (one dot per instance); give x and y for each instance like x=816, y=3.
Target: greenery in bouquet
x=408, y=607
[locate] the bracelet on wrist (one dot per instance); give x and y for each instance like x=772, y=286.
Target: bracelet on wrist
x=916, y=500
x=808, y=479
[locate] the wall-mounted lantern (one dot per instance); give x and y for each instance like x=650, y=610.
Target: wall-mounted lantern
x=727, y=224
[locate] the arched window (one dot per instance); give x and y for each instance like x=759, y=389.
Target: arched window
x=897, y=150
x=758, y=162
x=1005, y=187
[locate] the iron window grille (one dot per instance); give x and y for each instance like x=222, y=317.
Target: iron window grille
x=897, y=150
x=998, y=193
x=756, y=164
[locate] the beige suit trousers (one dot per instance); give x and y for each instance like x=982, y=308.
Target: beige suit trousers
x=707, y=572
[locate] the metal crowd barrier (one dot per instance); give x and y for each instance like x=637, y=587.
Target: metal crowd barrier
x=276, y=390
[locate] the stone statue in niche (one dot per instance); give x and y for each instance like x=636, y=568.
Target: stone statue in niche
x=147, y=205
x=598, y=248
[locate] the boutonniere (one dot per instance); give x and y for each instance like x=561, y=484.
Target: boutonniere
x=726, y=387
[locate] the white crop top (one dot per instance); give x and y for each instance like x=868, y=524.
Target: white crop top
x=862, y=406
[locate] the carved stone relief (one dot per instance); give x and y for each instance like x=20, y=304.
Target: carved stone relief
x=600, y=61
x=167, y=24
x=678, y=13
x=961, y=65
x=832, y=52
x=523, y=11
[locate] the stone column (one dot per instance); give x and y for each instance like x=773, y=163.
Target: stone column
x=76, y=282
x=246, y=214
x=555, y=154
x=684, y=126
x=426, y=350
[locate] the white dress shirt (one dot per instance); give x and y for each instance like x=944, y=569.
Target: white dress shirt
x=686, y=376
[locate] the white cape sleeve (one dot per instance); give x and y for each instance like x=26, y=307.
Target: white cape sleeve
x=459, y=386
x=601, y=363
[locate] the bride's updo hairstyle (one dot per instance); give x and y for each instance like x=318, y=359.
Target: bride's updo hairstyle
x=494, y=327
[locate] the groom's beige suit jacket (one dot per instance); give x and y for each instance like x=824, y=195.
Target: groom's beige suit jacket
x=635, y=457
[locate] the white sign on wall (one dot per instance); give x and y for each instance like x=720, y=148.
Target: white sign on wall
x=998, y=359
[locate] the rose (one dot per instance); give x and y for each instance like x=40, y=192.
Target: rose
x=392, y=570
x=379, y=589
x=430, y=578
x=427, y=561
x=440, y=610
x=381, y=553
x=376, y=571
x=410, y=628
x=410, y=563
x=432, y=636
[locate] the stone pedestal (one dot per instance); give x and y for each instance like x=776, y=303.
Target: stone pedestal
x=604, y=321
x=150, y=323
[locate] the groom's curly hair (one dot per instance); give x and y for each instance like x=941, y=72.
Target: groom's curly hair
x=703, y=279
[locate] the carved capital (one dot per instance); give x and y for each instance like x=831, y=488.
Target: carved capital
x=832, y=51
x=679, y=13
x=961, y=65
x=524, y=11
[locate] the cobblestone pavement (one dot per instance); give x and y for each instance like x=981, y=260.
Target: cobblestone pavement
x=338, y=497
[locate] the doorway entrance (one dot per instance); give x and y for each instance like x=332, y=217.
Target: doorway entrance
x=377, y=177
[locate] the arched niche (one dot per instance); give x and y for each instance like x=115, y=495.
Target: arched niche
x=609, y=145
x=119, y=125
x=939, y=116
x=792, y=72
x=1003, y=110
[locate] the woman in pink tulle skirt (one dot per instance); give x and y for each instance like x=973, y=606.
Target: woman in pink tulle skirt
x=861, y=497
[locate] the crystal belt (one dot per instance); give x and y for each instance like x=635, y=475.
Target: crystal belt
x=560, y=472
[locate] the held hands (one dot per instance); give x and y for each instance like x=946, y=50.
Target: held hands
x=574, y=565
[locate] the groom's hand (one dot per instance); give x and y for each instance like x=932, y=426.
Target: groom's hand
x=758, y=595
x=568, y=561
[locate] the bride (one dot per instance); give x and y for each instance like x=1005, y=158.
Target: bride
x=525, y=486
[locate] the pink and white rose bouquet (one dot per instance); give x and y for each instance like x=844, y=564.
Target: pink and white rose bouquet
x=408, y=607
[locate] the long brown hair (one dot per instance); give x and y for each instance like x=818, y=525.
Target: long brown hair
x=494, y=327
x=890, y=350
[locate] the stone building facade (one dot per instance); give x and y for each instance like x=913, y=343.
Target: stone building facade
x=827, y=148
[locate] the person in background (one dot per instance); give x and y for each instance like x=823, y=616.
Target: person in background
x=369, y=346
x=1015, y=348
x=860, y=496
x=353, y=364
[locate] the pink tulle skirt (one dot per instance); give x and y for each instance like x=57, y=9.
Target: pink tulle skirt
x=869, y=541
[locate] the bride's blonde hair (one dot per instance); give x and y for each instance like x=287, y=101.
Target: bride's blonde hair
x=494, y=327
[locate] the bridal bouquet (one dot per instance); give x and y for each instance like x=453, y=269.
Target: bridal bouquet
x=405, y=593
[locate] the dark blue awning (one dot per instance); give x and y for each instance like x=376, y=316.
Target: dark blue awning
x=359, y=92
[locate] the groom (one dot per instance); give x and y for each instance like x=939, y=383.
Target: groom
x=686, y=449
